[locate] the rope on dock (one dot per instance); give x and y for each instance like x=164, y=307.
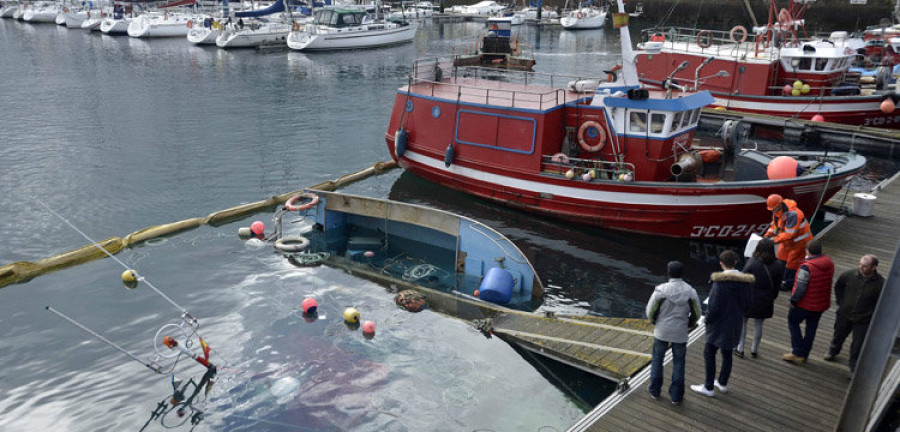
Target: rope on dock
x=23, y=271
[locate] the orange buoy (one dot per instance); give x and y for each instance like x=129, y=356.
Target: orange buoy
x=888, y=106
x=709, y=156
x=782, y=167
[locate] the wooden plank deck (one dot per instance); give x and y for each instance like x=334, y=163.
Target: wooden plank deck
x=765, y=393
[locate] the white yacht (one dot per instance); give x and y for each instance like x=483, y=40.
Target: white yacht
x=336, y=28
x=41, y=12
x=584, y=18
x=160, y=24
x=531, y=12
x=8, y=8
x=254, y=34
x=94, y=19
x=74, y=17
x=482, y=8
x=204, y=31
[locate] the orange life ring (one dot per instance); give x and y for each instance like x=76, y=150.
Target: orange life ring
x=738, y=28
x=190, y=24
x=704, y=39
x=784, y=18
x=580, y=15
x=291, y=204
x=601, y=136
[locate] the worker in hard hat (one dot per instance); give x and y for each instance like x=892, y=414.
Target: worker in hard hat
x=791, y=232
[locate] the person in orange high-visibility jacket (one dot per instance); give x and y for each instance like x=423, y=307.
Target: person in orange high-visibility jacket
x=791, y=232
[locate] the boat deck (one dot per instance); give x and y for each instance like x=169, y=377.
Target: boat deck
x=496, y=93
x=766, y=393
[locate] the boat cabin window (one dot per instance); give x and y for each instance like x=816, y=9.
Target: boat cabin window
x=657, y=123
x=803, y=63
x=695, y=116
x=351, y=20
x=637, y=122
x=676, y=120
x=821, y=63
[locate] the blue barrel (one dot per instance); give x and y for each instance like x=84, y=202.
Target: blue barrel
x=497, y=286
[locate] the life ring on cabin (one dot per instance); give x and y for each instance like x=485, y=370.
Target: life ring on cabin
x=600, y=137
x=291, y=204
x=580, y=15
x=742, y=30
x=190, y=24
x=704, y=39
x=784, y=18
x=292, y=244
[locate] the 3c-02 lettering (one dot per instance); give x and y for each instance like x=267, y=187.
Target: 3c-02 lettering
x=729, y=231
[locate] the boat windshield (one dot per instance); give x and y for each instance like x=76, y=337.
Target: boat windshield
x=339, y=17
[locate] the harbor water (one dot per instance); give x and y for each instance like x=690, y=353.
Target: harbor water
x=117, y=134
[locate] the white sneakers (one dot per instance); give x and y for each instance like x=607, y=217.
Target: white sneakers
x=721, y=388
x=701, y=388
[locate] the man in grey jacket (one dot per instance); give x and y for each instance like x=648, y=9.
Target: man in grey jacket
x=674, y=308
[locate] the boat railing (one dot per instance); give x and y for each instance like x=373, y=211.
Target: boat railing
x=711, y=42
x=523, y=89
x=597, y=169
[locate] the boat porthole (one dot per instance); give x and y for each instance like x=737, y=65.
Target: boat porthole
x=436, y=111
x=409, y=106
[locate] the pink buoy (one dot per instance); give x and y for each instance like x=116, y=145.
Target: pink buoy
x=475, y=293
x=368, y=254
x=258, y=228
x=368, y=327
x=888, y=106
x=586, y=177
x=309, y=305
x=782, y=167
x=787, y=89
x=818, y=118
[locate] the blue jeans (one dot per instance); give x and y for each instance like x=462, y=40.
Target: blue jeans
x=709, y=359
x=679, y=351
x=802, y=344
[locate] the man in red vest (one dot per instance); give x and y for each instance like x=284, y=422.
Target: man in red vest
x=811, y=297
x=791, y=232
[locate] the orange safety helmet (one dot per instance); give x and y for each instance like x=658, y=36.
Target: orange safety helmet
x=773, y=201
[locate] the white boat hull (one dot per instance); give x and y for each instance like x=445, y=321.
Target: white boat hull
x=203, y=35
x=92, y=23
x=272, y=34
x=314, y=40
x=8, y=11
x=74, y=19
x=46, y=14
x=115, y=26
x=159, y=25
x=584, y=19
x=60, y=18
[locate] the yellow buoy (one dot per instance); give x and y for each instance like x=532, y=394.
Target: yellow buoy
x=130, y=279
x=351, y=315
x=570, y=174
x=798, y=85
x=804, y=89
x=720, y=108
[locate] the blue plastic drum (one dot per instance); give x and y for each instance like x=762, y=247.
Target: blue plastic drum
x=497, y=286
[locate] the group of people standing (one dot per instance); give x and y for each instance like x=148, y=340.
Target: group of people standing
x=786, y=259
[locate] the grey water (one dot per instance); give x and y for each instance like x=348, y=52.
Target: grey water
x=118, y=134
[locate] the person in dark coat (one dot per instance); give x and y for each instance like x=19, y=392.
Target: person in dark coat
x=857, y=292
x=768, y=272
x=729, y=300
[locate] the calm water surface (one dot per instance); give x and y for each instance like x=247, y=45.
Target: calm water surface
x=118, y=134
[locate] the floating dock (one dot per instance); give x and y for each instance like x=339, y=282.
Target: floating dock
x=767, y=393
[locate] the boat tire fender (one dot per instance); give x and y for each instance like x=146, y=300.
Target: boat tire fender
x=601, y=136
x=292, y=244
x=742, y=30
x=704, y=39
x=291, y=204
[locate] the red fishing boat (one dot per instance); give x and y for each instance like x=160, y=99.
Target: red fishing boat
x=774, y=72
x=599, y=152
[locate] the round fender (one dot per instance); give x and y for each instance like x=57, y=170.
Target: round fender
x=293, y=203
x=580, y=15
x=738, y=29
x=704, y=39
x=601, y=136
x=292, y=244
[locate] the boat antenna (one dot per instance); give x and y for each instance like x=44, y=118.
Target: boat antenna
x=139, y=277
x=629, y=69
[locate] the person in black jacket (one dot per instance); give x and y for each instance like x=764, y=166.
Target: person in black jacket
x=767, y=271
x=856, y=292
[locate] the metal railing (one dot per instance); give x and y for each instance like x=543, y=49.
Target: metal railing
x=543, y=90
x=603, y=170
x=712, y=42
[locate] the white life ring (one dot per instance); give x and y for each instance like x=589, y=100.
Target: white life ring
x=580, y=15
x=742, y=30
x=291, y=204
x=292, y=244
x=601, y=136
